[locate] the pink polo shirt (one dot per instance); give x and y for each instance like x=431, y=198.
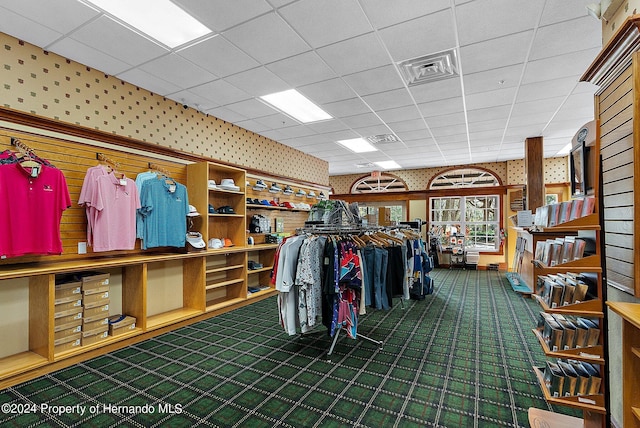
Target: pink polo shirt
x=115, y=202
x=31, y=209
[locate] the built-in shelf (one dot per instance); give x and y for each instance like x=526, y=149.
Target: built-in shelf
x=590, y=354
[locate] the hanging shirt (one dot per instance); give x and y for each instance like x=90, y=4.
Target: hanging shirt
x=114, y=203
x=140, y=179
x=86, y=195
x=164, y=209
x=31, y=210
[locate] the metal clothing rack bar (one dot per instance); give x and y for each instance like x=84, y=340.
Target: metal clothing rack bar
x=358, y=335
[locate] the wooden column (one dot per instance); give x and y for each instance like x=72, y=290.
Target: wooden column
x=534, y=172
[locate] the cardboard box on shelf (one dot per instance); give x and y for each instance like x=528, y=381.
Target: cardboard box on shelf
x=70, y=316
x=97, y=311
x=68, y=331
x=67, y=290
x=91, y=280
x=67, y=343
x=95, y=322
x=123, y=325
x=96, y=335
x=68, y=303
x=97, y=299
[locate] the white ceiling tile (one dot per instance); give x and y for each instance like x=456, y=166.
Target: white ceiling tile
x=61, y=16
x=221, y=92
x=439, y=90
x=297, y=131
x=254, y=126
x=108, y=36
x=572, y=64
x=495, y=53
x=565, y=10
x=353, y=55
x=491, y=113
x=447, y=120
x=417, y=134
x=496, y=78
x=327, y=91
x=27, y=30
x=441, y=107
x=219, y=15
x=499, y=97
x=218, y=56
x=448, y=130
x=537, y=106
x=566, y=37
x=267, y=38
x=226, y=114
x=371, y=130
x=177, y=70
x=348, y=107
x=523, y=15
x=398, y=114
x=421, y=36
x=258, y=82
x=384, y=13
x=546, y=89
x=488, y=125
x=327, y=126
x=193, y=100
x=407, y=125
x=389, y=99
x=147, y=81
x=361, y=120
x=83, y=54
x=376, y=80
x=302, y=69
x=277, y=121
x=312, y=19
x=251, y=108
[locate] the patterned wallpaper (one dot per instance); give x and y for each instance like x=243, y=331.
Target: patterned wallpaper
x=45, y=84
x=510, y=172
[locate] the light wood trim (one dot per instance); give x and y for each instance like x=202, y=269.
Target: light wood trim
x=193, y=274
x=582, y=354
x=636, y=169
x=221, y=284
x=134, y=293
x=588, y=308
x=41, y=313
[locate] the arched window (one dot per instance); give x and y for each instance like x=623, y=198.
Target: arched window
x=382, y=183
x=473, y=219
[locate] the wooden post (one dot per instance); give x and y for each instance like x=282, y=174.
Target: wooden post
x=534, y=173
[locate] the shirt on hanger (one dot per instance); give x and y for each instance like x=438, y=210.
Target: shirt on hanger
x=164, y=209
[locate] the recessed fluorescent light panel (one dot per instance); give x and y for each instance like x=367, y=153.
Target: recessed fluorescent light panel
x=161, y=20
x=388, y=165
x=296, y=105
x=357, y=145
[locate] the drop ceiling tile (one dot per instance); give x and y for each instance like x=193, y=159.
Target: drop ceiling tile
x=407, y=125
x=447, y=120
x=274, y=135
x=61, y=16
x=441, y=107
x=177, y=70
x=491, y=113
x=354, y=55
x=313, y=19
x=488, y=125
x=83, y=54
x=258, y=81
x=253, y=126
x=219, y=15
x=439, y=90
x=390, y=99
x=147, y=81
x=448, y=130
x=327, y=91
x=491, y=79
x=376, y=80
x=297, y=131
x=572, y=64
x=277, y=121
x=267, y=38
x=566, y=37
x=419, y=36
x=251, y=108
x=383, y=13
x=546, y=89
x=218, y=56
x=348, y=107
x=418, y=134
x=369, y=131
x=522, y=16
x=327, y=126
x=27, y=30
x=530, y=108
x=361, y=120
x=221, y=92
x=225, y=114
x=499, y=97
x=193, y=100
x=302, y=69
x=399, y=114
x=108, y=36
x=495, y=53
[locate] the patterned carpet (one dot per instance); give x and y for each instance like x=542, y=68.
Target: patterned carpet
x=460, y=358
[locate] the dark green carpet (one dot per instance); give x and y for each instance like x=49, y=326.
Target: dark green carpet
x=460, y=358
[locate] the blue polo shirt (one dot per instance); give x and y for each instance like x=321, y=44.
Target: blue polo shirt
x=164, y=214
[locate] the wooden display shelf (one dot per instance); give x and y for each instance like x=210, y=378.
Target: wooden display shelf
x=221, y=284
x=261, y=293
x=233, y=192
x=108, y=340
x=589, y=222
x=227, y=215
x=20, y=363
x=587, y=308
x=224, y=268
x=216, y=304
x=264, y=269
x=590, y=263
x=593, y=403
x=590, y=354
x=171, y=317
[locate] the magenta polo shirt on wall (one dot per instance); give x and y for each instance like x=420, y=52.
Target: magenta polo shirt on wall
x=31, y=209
x=115, y=202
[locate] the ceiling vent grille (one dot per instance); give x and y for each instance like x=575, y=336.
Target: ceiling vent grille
x=429, y=68
x=382, y=139
x=365, y=165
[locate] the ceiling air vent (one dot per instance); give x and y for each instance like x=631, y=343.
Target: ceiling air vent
x=382, y=139
x=429, y=68
x=365, y=165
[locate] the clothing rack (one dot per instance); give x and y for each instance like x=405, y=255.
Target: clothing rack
x=104, y=158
